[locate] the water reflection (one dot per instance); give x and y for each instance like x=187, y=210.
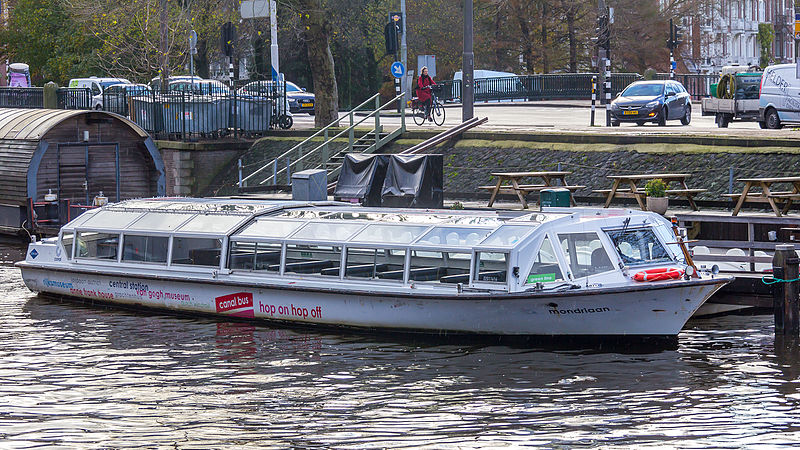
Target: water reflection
x=80, y=376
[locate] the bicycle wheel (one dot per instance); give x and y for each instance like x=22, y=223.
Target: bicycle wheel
x=438, y=114
x=419, y=114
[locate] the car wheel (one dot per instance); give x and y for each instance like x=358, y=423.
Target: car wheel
x=285, y=122
x=98, y=107
x=614, y=124
x=662, y=117
x=722, y=120
x=311, y=113
x=762, y=125
x=772, y=120
x=640, y=123
x=687, y=116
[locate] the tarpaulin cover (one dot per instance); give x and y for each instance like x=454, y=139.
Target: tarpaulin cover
x=362, y=178
x=414, y=182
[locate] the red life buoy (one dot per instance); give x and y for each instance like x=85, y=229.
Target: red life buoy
x=664, y=273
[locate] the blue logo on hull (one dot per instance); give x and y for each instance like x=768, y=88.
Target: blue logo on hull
x=34, y=253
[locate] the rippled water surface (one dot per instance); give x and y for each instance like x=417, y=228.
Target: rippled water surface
x=81, y=376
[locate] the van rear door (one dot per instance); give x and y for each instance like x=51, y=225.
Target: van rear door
x=791, y=101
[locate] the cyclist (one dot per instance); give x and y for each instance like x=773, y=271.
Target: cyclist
x=424, y=84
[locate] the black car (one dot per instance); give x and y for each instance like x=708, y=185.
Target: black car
x=299, y=99
x=652, y=101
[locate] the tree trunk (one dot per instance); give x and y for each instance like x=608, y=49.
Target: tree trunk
x=573, y=45
x=163, y=45
x=201, y=68
x=317, y=34
x=545, y=61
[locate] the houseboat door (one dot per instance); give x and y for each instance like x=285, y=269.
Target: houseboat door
x=87, y=169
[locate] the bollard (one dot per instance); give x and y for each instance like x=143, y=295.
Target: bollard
x=50, y=95
x=785, y=292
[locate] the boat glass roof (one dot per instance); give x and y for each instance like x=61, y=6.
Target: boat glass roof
x=327, y=231
x=390, y=233
x=208, y=223
x=507, y=235
x=270, y=228
x=111, y=219
x=454, y=236
x=159, y=221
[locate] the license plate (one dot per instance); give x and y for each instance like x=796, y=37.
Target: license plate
x=307, y=105
x=630, y=113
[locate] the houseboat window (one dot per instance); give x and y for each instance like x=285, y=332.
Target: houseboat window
x=111, y=219
x=66, y=242
x=158, y=221
x=270, y=228
x=454, y=236
x=585, y=254
x=375, y=263
x=545, y=266
x=491, y=267
x=390, y=234
x=98, y=245
x=638, y=246
x=211, y=223
x=327, y=231
x=441, y=267
x=255, y=256
x=507, y=236
x=144, y=248
x=196, y=251
x=313, y=259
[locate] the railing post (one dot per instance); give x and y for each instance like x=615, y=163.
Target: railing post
x=299, y=163
x=288, y=172
x=377, y=120
x=350, y=135
x=403, y=114
x=275, y=171
x=324, y=156
x=241, y=183
x=785, y=291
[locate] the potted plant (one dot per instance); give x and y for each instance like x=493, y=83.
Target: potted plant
x=657, y=200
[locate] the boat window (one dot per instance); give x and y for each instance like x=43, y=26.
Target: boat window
x=313, y=259
x=375, y=263
x=330, y=231
x=264, y=256
x=454, y=236
x=270, y=228
x=111, y=219
x=98, y=245
x=390, y=234
x=491, y=267
x=545, y=266
x=196, y=251
x=211, y=223
x=506, y=236
x=158, y=221
x=442, y=267
x=585, y=254
x=66, y=242
x=144, y=248
x=638, y=246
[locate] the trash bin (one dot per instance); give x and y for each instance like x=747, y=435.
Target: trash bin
x=556, y=197
x=253, y=114
x=310, y=185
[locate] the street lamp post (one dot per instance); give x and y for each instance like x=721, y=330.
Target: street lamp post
x=467, y=66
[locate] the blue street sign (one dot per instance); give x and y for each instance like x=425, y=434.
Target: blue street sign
x=674, y=65
x=398, y=69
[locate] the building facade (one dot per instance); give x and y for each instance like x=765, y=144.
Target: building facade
x=725, y=32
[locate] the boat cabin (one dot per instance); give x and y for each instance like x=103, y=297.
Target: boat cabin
x=328, y=242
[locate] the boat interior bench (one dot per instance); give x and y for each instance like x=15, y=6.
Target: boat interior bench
x=306, y=266
x=263, y=260
x=463, y=278
x=361, y=270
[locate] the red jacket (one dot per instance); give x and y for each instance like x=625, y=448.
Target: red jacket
x=424, y=94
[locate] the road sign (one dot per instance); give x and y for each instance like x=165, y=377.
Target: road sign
x=398, y=69
x=252, y=9
x=192, y=39
x=674, y=65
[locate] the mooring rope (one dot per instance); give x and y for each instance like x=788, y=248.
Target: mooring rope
x=772, y=280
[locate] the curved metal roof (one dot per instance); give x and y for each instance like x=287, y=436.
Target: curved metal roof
x=33, y=124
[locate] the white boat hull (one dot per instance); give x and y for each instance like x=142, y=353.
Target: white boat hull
x=656, y=309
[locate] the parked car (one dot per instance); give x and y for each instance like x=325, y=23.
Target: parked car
x=299, y=100
x=201, y=87
x=779, y=97
x=96, y=87
x=115, y=97
x=155, y=82
x=652, y=101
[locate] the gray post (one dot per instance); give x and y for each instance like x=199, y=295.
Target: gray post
x=467, y=67
x=403, y=46
x=241, y=184
x=785, y=294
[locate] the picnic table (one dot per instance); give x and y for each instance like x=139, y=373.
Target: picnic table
x=510, y=183
x=634, y=191
x=767, y=195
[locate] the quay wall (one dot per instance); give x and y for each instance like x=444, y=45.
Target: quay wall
x=469, y=161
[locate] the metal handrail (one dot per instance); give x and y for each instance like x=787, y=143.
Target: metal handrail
x=321, y=130
x=347, y=130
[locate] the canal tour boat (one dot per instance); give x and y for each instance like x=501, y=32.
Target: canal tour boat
x=561, y=272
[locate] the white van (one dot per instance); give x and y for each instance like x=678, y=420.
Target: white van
x=96, y=86
x=779, y=96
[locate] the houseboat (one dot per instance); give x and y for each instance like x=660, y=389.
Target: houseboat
x=561, y=272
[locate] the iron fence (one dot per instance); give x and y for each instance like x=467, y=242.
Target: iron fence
x=19, y=97
x=74, y=98
x=564, y=86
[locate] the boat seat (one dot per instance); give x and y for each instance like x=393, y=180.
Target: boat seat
x=360, y=270
x=459, y=278
x=306, y=266
x=417, y=274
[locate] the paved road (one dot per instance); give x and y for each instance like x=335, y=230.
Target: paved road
x=569, y=116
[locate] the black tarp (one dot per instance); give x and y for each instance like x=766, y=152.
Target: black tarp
x=414, y=181
x=362, y=178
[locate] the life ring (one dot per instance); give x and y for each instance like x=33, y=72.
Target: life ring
x=664, y=273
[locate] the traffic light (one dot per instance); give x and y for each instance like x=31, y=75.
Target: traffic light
x=228, y=38
x=677, y=36
x=390, y=35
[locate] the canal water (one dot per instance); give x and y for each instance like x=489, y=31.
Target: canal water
x=82, y=376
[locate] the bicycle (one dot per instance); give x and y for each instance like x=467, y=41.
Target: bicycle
x=436, y=110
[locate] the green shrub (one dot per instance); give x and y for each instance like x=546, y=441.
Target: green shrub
x=656, y=188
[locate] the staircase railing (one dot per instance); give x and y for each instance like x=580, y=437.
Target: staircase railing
x=295, y=164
